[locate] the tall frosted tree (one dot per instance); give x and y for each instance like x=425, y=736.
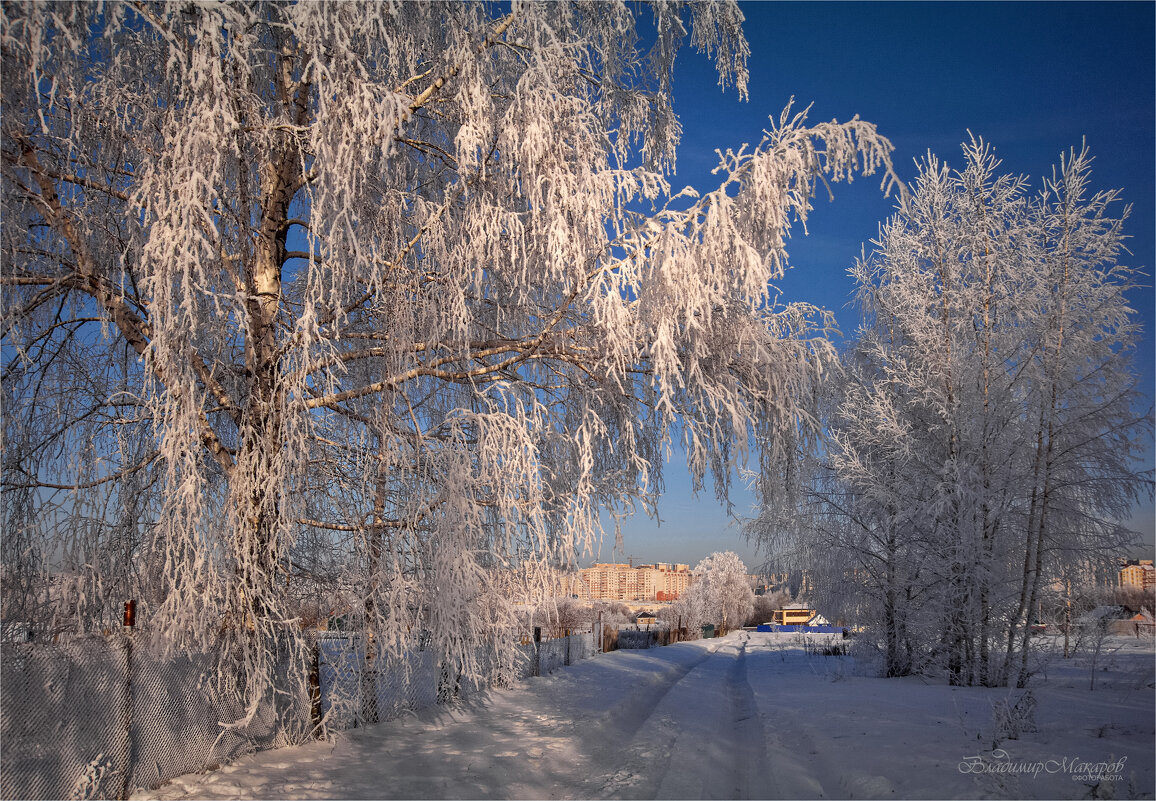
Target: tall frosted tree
x=1083, y=435
x=720, y=593
x=383, y=300
x=983, y=436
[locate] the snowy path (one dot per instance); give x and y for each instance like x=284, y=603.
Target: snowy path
x=747, y=716
x=703, y=738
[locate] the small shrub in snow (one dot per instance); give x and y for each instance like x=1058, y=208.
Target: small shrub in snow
x=834, y=648
x=628, y=639
x=1012, y=718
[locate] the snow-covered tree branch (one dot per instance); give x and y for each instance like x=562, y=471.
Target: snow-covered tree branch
x=367, y=297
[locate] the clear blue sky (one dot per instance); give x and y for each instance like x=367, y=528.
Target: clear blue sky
x=1033, y=79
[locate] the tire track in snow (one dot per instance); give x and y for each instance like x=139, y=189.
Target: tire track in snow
x=751, y=769
x=703, y=739
x=791, y=752
x=643, y=766
x=633, y=717
x=638, y=736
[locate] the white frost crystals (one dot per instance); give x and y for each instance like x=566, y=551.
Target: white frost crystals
x=720, y=593
x=339, y=308
x=984, y=437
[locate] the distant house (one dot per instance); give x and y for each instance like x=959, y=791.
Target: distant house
x=1101, y=614
x=793, y=616
x=1139, y=622
x=645, y=619
x=1115, y=620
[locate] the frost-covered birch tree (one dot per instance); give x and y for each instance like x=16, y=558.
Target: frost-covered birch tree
x=1084, y=433
x=375, y=300
x=939, y=497
x=721, y=593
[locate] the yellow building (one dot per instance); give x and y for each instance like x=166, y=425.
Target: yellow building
x=792, y=616
x=1140, y=574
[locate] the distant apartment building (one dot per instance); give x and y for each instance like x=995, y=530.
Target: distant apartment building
x=572, y=585
x=796, y=583
x=618, y=582
x=528, y=584
x=607, y=582
x=669, y=581
x=1138, y=573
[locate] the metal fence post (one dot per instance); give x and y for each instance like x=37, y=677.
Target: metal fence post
x=537, y=651
x=315, y=687
x=368, y=683
x=126, y=708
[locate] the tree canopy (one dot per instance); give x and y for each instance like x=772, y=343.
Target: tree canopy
x=311, y=304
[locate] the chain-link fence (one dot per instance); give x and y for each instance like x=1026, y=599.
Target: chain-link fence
x=88, y=720
x=357, y=691
x=553, y=654
x=93, y=719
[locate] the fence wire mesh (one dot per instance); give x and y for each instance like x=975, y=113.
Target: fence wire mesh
x=358, y=690
x=63, y=729
x=92, y=719
x=96, y=717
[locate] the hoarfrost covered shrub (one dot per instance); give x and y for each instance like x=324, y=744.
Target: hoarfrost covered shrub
x=720, y=593
x=1013, y=716
x=629, y=639
x=307, y=301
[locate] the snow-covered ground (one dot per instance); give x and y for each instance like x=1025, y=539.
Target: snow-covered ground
x=751, y=715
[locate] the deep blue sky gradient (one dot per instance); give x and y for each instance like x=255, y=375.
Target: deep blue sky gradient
x=1033, y=79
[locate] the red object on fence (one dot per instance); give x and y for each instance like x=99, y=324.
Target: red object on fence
x=129, y=614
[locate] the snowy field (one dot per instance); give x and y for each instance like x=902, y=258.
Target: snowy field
x=751, y=715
